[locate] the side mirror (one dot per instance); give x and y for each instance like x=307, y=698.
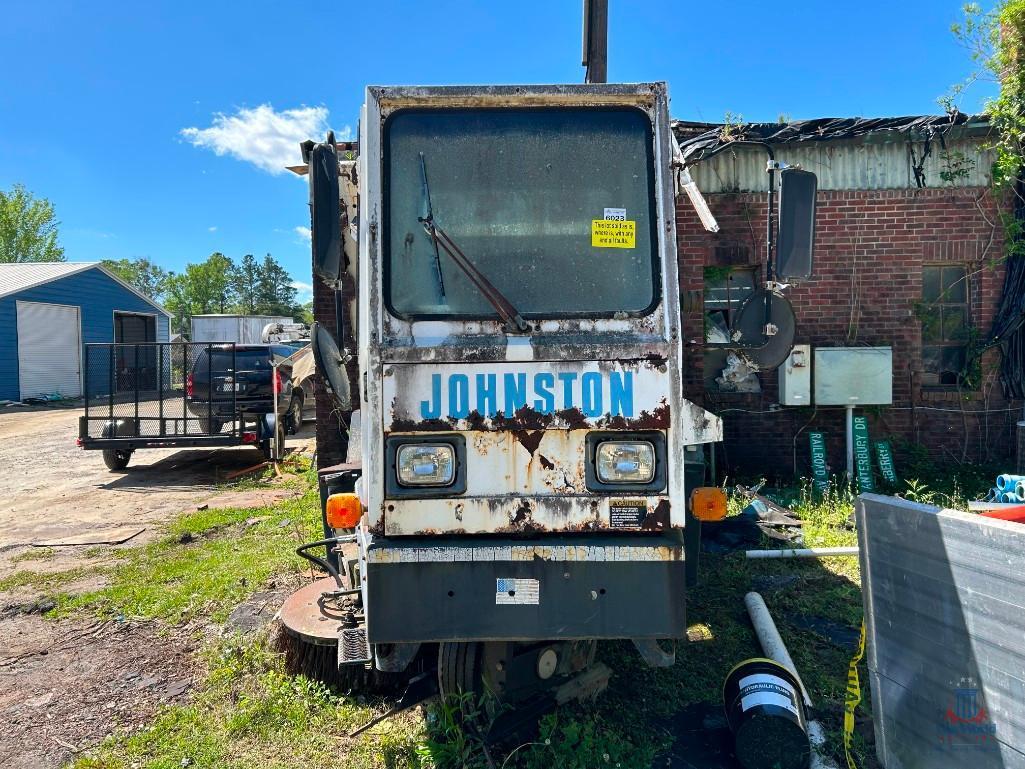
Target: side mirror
x=326, y=211
x=796, y=240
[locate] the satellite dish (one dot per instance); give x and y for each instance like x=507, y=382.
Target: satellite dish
x=331, y=364
x=765, y=351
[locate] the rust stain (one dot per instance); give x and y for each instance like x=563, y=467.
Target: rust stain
x=427, y=425
x=574, y=418
x=546, y=463
x=657, y=519
x=521, y=515
x=527, y=420
x=529, y=440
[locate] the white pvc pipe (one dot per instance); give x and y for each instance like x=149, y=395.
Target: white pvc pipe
x=806, y=552
x=774, y=648
x=769, y=638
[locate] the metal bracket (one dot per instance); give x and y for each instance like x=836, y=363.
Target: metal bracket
x=652, y=653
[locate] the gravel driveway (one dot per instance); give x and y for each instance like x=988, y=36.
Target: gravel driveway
x=50, y=488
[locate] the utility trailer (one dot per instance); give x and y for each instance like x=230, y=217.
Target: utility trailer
x=166, y=395
x=523, y=473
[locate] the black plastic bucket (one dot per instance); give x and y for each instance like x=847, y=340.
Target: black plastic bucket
x=765, y=711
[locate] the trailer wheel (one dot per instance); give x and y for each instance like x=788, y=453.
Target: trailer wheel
x=116, y=459
x=265, y=445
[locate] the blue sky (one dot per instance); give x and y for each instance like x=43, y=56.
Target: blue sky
x=157, y=129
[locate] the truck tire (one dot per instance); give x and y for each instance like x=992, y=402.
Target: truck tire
x=116, y=459
x=295, y=412
x=459, y=668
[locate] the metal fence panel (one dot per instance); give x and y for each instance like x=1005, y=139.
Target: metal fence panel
x=145, y=390
x=944, y=596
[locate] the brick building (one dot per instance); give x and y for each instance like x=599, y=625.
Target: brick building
x=908, y=254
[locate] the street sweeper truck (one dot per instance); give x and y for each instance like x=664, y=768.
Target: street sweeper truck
x=515, y=485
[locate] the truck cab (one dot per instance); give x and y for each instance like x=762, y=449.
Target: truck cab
x=522, y=433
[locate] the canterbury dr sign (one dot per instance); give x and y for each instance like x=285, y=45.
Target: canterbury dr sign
x=472, y=396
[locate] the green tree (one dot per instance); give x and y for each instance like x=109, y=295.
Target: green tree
x=996, y=41
x=201, y=289
x=245, y=280
x=275, y=293
x=140, y=273
x=28, y=228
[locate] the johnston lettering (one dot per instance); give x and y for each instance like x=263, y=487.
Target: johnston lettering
x=595, y=394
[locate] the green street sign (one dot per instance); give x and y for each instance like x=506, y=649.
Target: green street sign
x=819, y=469
x=884, y=457
x=863, y=455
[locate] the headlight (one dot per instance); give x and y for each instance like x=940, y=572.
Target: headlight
x=419, y=464
x=621, y=462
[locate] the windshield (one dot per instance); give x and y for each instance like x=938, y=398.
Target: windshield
x=553, y=206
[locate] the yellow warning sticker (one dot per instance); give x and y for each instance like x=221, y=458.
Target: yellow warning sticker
x=608, y=233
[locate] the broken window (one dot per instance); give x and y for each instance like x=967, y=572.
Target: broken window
x=725, y=290
x=944, y=313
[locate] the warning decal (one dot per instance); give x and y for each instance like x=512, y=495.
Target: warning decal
x=607, y=233
x=627, y=513
x=517, y=591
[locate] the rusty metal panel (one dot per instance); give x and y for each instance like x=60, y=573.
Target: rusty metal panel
x=944, y=596
x=851, y=165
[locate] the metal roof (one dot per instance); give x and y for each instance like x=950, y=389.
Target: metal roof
x=845, y=153
x=19, y=276
x=697, y=139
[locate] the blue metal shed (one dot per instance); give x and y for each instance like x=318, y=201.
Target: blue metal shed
x=48, y=310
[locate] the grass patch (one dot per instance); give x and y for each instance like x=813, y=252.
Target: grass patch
x=35, y=554
x=251, y=715
x=207, y=563
x=46, y=580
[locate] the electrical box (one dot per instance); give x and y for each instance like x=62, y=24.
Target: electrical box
x=795, y=377
x=848, y=376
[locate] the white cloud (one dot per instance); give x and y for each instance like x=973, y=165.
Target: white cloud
x=304, y=233
x=305, y=290
x=211, y=229
x=262, y=136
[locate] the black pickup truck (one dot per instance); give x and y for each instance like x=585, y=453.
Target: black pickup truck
x=248, y=372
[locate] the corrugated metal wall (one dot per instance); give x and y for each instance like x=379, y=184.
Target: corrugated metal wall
x=242, y=329
x=98, y=296
x=944, y=596
x=850, y=165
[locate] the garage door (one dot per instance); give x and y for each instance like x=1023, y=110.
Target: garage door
x=49, y=350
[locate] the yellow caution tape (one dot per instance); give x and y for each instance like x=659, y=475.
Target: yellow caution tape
x=853, y=698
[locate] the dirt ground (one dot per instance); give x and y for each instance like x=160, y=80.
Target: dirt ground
x=65, y=685
x=50, y=489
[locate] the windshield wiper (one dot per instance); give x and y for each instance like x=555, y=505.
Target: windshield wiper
x=428, y=216
x=505, y=309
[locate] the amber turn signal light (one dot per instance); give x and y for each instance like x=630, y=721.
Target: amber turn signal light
x=708, y=503
x=343, y=511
